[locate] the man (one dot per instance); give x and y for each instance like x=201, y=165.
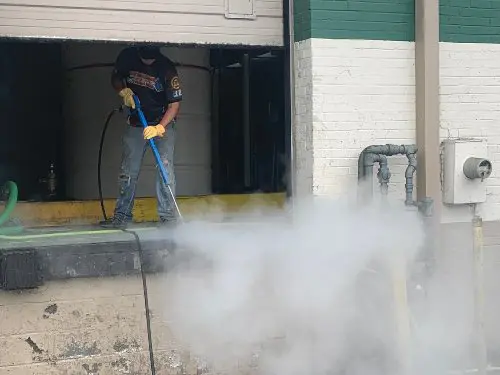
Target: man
x=153, y=78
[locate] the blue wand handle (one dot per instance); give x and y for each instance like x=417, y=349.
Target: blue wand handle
x=163, y=171
x=159, y=163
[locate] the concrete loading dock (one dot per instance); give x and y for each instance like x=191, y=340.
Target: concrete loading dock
x=400, y=72
x=69, y=51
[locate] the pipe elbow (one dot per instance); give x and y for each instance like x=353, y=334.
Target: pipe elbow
x=410, y=149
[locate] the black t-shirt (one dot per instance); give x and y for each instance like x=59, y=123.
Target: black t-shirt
x=156, y=85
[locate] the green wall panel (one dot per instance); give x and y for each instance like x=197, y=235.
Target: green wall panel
x=355, y=19
x=470, y=21
x=302, y=19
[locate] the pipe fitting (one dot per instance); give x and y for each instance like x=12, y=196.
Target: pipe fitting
x=391, y=150
x=384, y=175
x=378, y=154
x=409, y=173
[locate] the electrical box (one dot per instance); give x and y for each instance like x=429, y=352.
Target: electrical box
x=465, y=170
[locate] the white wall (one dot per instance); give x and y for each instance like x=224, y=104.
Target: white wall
x=470, y=107
x=303, y=125
x=174, y=21
x=88, y=99
x=354, y=93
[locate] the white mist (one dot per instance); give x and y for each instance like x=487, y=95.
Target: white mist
x=308, y=297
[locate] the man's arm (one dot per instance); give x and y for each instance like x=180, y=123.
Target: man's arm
x=117, y=81
x=120, y=71
x=174, y=97
x=170, y=114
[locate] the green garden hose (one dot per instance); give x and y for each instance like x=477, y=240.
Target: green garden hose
x=11, y=202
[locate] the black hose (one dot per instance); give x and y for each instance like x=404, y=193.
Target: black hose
x=147, y=311
x=99, y=159
x=137, y=240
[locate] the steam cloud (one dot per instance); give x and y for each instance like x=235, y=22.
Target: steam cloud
x=308, y=297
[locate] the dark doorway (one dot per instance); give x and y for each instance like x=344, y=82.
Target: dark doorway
x=250, y=126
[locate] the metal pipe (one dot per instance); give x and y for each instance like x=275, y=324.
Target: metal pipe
x=402, y=314
x=384, y=176
x=246, y=120
x=481, y=347
x=366, y=162
x=377, y=154
x=427, y=101
x=409, y=173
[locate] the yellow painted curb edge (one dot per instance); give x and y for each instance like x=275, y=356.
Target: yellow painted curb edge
x=88, y=212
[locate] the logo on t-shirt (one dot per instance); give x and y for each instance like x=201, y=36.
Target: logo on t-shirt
x=174, y=82
x=144, y=80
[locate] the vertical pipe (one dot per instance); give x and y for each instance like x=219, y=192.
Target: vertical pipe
x=427, y=124
x=401, y=311
x=289, y=71
x=410, y=171
x=427, y=101
x=246, y=120
x=481, y=347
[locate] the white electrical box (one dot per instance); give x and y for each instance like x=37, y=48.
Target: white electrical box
x=465, y=170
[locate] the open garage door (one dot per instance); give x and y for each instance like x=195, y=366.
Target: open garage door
x=230, y=133
x=242, y=22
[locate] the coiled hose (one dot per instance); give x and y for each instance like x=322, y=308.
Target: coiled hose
x=11, y=187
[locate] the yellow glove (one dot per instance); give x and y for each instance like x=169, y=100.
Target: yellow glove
x=153, y=131
x=128, y=97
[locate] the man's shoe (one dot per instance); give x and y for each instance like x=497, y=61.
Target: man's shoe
x=113, y=223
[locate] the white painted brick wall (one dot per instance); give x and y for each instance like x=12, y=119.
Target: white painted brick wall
x=363, y=94
x=302, y=133
x=470, y=107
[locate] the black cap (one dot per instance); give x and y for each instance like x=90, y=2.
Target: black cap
x=148, y=52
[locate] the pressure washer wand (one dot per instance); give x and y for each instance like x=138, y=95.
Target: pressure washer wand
x=161, y=167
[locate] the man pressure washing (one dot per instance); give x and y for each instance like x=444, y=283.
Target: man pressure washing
x=146, y=73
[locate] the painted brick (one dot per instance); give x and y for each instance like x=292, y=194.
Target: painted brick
x=303, y=118
x=362, y=93
x=355, y=93
x=470, y=21
x=355, y=19
x=469, y=96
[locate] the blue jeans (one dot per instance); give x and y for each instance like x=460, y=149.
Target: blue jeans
x=134, y=147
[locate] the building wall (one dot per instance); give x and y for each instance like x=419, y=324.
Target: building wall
x=356, y=60
x=355, y=19
x=355, y=84
x=254, y=22
x=470, y=85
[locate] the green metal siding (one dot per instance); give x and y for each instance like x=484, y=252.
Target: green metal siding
x=302, y=19
x=355, y=19
x=470, y=21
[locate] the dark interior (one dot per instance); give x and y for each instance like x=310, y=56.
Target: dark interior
x=248, y=125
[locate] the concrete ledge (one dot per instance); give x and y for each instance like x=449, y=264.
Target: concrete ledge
x=94, y=253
